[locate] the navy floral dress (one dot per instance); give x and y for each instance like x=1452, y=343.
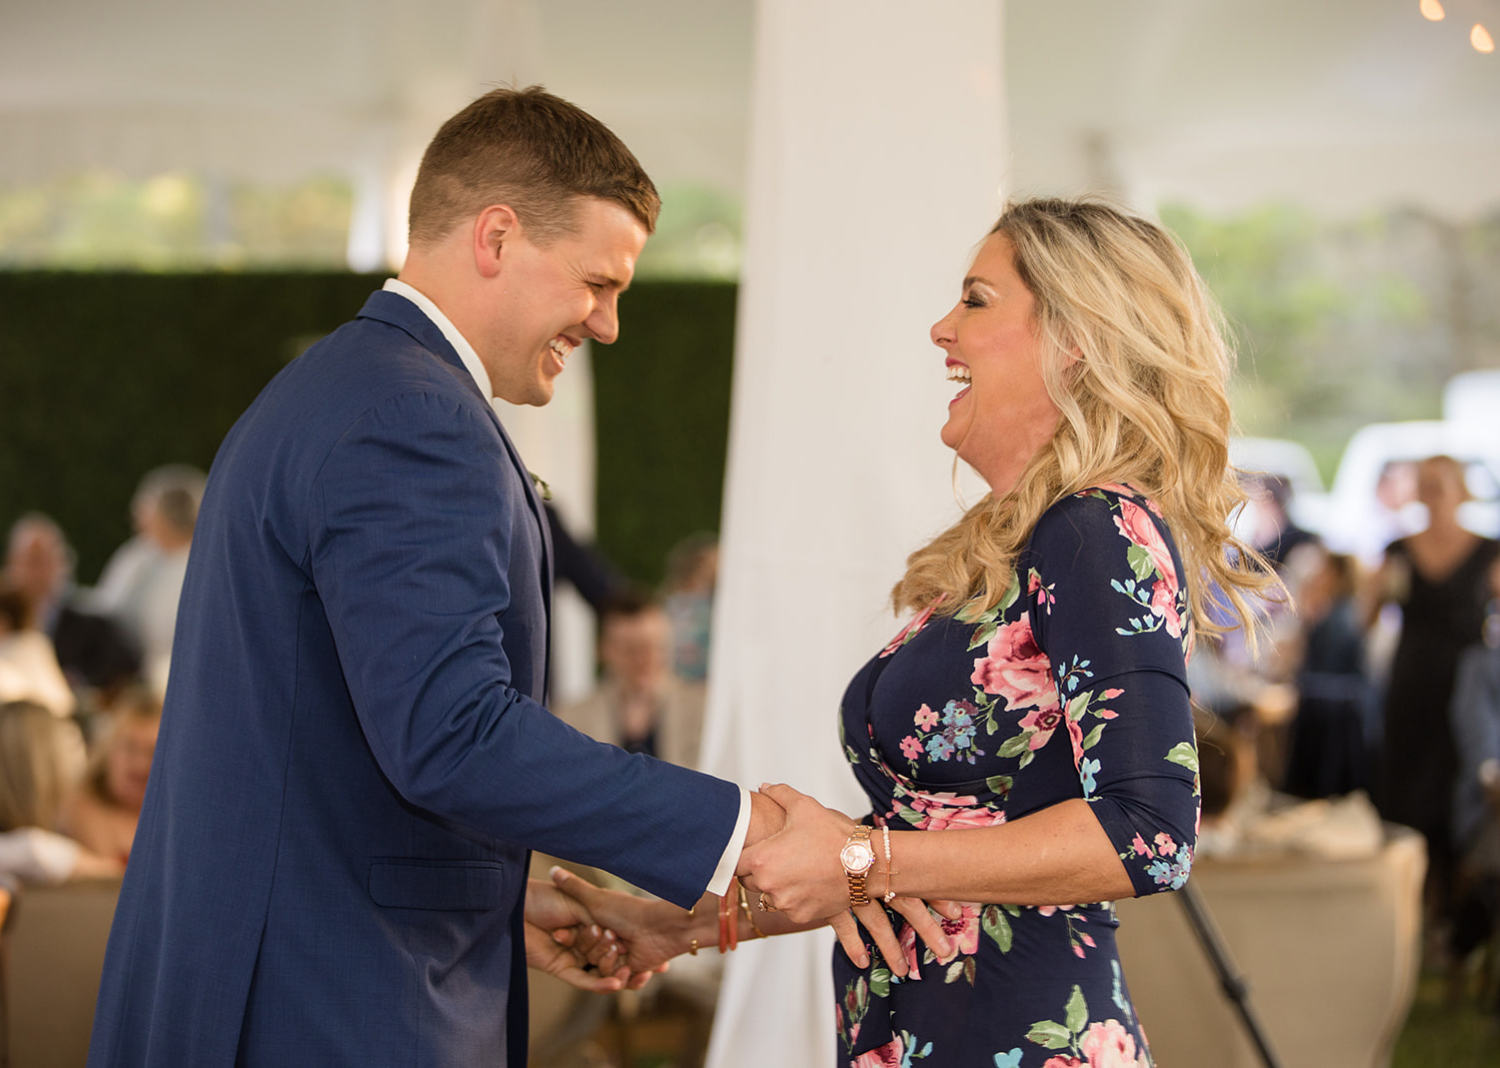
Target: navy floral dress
x=1073, y=686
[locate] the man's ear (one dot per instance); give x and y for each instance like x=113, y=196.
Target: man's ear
x=495, y=228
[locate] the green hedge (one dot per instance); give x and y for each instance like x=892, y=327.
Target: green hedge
x=106, y=375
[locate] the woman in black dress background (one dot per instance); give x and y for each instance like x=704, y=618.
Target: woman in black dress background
x=1437, y=577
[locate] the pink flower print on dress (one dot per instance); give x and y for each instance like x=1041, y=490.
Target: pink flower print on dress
x=925, y=718
x=1140, y=847
x=889, y=1055
x=1049, y=910
x=963, y=933
x=1164, y=605
x=1015, y=668
x=911, y=630
x=1044, y=721
x=1108, y=1045
x=1164, y=844
x=1064, y=1061
x=910, y=747
x=941, y=811
x=1075, y=736
x=1135, y=524
x=1043, y=594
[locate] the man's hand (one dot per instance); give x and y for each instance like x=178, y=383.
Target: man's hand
x=653, y=932
x=563, y=940
x=766, y=818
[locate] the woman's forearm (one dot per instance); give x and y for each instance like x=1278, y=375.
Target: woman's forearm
x=1059, y=855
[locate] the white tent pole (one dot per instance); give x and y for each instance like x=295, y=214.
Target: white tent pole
x=876, y=141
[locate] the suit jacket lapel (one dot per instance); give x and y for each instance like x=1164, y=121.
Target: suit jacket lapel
x=401, y=313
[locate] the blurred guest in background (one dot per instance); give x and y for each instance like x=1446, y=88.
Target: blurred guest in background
x=640, y=705
x=41, y=760
x=580, y=563
x=104, y=812
x=692, y=572
x=1438, y=578
x=1330, y=743
x=1476, y=802
x=1277, y=537
x=28, y=664
x=142, y=582
x=92, y=651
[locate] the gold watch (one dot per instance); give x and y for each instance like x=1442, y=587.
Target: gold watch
x=858, y=857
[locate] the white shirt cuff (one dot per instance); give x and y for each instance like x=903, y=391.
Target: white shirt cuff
x=719, y=884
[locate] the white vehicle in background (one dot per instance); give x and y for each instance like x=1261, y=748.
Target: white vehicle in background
x=1372, y=500
x=1473, y=397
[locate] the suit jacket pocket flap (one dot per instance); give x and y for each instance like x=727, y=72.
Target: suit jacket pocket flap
x=437, y=884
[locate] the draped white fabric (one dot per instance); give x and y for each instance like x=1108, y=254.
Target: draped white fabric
x=876, y=156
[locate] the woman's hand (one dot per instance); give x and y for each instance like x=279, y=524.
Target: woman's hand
x=563, y=939
x=652, y=932
x=798, y=871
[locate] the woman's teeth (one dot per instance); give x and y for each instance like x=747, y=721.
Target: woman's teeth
x=958, y=373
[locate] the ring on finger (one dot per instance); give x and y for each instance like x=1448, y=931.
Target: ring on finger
x=765, y=903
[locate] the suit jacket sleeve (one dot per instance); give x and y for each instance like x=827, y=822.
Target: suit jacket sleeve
x=415, y=517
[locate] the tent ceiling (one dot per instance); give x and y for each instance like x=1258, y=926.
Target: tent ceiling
x=1342, y=104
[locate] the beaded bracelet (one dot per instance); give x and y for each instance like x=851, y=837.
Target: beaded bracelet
x=890, y=895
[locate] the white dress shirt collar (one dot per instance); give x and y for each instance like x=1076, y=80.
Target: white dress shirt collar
x=466, y=351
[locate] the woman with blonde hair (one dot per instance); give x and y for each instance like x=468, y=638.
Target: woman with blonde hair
x=107, y=806
x=1032, y=720
x=41, y=761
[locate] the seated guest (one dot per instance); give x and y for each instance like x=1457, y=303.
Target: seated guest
x=639, y=704
x=91, y=650
x=41, y=760
x=105, y=810
x=28, y=664
x=142, y=582
x=692, y=573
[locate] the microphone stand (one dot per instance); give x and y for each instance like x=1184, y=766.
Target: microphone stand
x=1235, y=988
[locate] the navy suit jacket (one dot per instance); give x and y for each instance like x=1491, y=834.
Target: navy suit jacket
x=354, y=760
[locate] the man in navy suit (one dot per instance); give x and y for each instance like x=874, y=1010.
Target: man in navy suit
x=354, y=758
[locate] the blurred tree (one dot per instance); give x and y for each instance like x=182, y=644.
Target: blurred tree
x=1345, y=323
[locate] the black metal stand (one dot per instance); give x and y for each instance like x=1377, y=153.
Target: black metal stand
x=1234, y=985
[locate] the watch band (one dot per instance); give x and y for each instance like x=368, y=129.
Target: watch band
x=858, y=857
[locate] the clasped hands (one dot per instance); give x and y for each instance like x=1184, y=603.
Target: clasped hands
x=604, y=940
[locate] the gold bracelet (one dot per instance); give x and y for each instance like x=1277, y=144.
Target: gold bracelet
x=890, y=895
x=745, y=906
x=693, y=944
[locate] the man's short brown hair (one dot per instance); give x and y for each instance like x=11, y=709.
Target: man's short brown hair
x=532, y=151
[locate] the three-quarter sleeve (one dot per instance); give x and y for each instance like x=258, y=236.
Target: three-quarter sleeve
x=1109, y=609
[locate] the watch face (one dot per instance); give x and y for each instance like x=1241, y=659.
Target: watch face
x=857, y=857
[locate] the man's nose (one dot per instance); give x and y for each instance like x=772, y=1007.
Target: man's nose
x=604, y=324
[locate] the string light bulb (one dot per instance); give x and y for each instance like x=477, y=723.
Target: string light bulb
x=1480, y=38
x=1432, y=10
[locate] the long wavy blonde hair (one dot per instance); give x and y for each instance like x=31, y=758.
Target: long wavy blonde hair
x=1137, y=363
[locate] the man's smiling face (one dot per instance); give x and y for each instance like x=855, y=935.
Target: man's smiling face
x=548, y=299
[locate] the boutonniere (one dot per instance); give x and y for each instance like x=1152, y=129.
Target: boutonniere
x=543, y=490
